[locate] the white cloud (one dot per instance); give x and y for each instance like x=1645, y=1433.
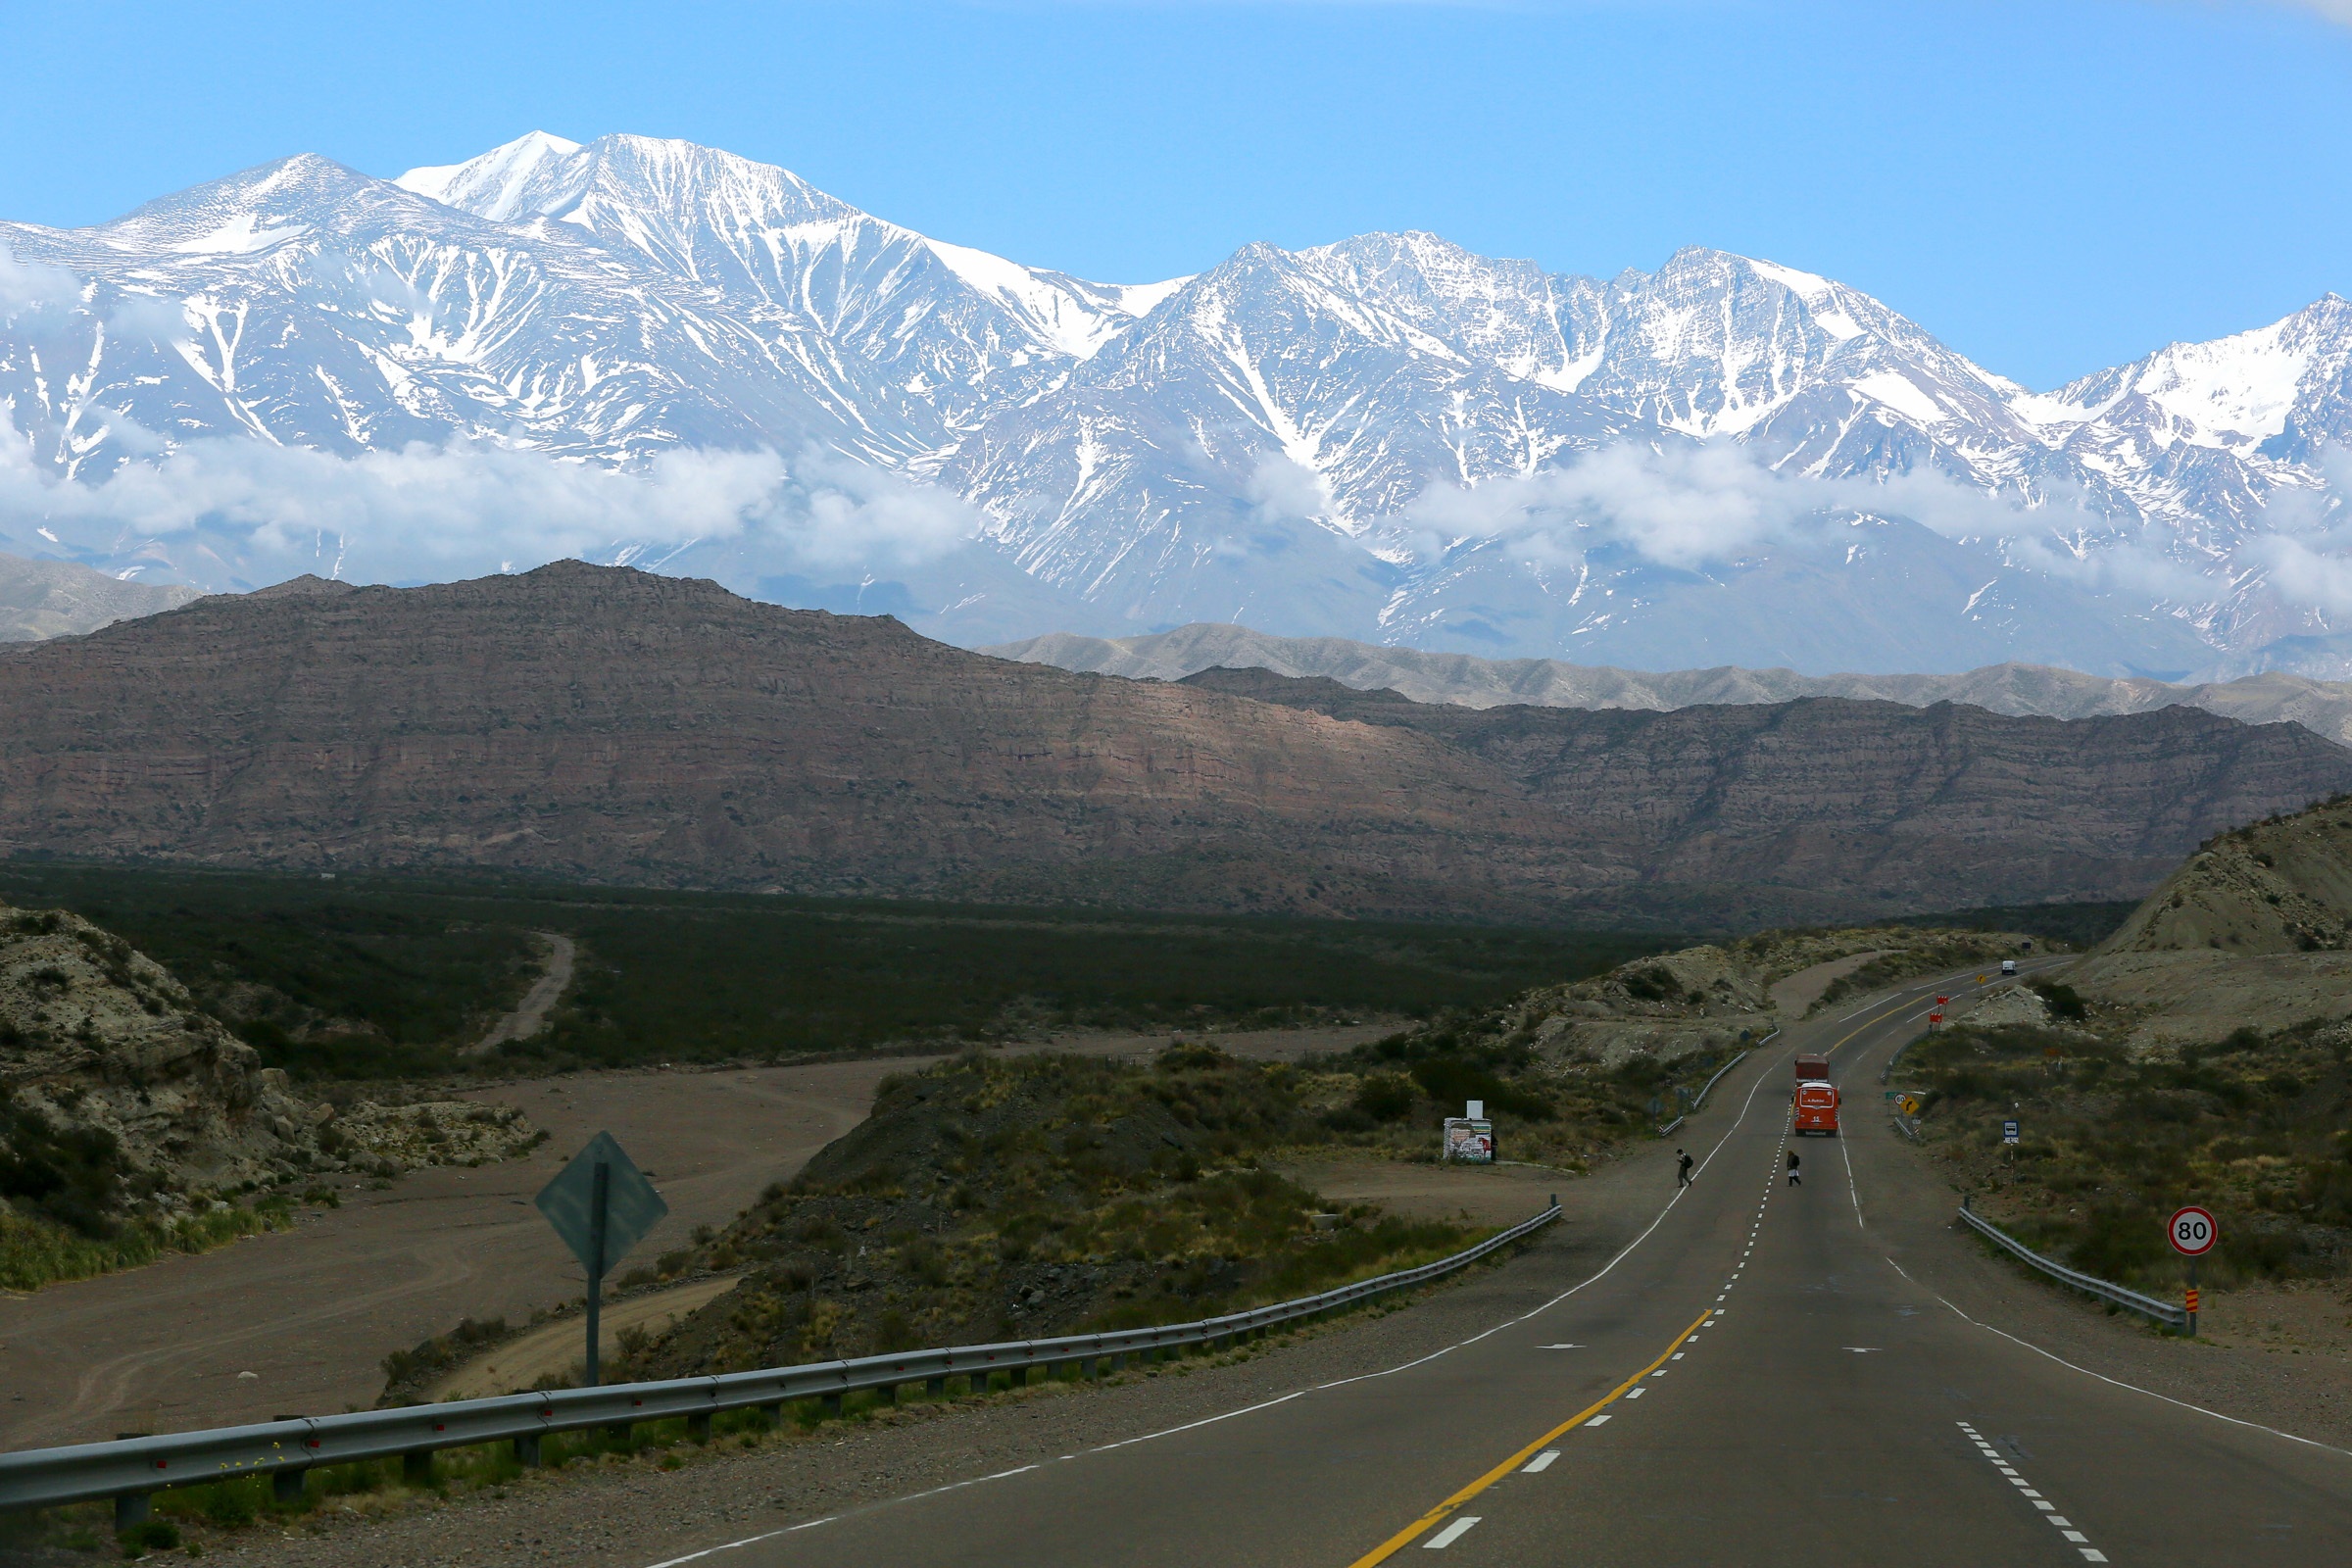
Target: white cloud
x=1692, y=507
x=438, y=512
x=28, y=287
x=1281, y=488
x=2305, y=553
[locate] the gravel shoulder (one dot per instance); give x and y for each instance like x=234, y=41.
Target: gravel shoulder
x=2297, y=1382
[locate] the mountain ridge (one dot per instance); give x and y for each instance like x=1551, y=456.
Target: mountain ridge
x=605, y=724
x=1467, y=680
x=1388, y=437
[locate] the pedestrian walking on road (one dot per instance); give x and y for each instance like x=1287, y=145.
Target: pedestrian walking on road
x=1683, y=1172
x=1794, y=1179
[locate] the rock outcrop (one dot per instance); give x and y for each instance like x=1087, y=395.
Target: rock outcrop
x=605, y=724
x=97, y=1036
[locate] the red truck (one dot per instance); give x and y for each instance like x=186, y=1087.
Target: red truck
x=1816, y=1109
x=1812, y=1069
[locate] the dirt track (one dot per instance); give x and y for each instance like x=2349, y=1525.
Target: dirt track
x=311, y=1313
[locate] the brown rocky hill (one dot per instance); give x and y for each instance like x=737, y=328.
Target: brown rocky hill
x=601, y=723
x=2250, y=932
x=1880, y=803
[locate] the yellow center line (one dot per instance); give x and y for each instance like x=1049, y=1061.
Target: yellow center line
x=1406, y=1536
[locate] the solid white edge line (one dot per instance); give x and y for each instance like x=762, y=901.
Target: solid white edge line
x=2235, y=1421
x=1746, y=1107
x=1851, y=1191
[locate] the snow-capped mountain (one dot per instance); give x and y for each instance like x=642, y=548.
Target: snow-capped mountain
x=647, y=350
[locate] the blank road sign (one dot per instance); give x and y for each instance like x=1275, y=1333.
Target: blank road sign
x=631, y=1205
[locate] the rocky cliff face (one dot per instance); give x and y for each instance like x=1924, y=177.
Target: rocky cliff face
x=1877, y=804
x=95, y=1036
x=601, y=723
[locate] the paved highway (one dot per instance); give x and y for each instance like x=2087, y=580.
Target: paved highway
x=1756, y=1380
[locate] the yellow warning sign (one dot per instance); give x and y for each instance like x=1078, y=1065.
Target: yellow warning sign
x=1910, y=1104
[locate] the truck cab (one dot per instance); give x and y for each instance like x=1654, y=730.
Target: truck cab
x=1817, y=1107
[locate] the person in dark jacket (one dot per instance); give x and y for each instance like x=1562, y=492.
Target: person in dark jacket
x=1794, y=1179
x=1683, y=1171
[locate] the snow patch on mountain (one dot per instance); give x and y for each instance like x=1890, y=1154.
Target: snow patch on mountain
x=1389, y=435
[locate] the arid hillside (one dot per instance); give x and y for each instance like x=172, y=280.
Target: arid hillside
x=1886, y=806
x=2250, y=933
x=599, y=723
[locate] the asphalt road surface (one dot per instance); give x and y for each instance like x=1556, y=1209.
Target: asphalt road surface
x=1755, y=1380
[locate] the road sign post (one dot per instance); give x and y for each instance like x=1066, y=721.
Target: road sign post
x=602, y=1206
x=2193, y=1233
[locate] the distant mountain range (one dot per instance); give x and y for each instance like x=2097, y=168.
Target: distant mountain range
x=606, y=724
x=57, y=599
x=1472, y=682
x=649, y=352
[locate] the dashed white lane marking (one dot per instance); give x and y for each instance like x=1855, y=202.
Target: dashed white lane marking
x=2309, y=1442
x=1540, y=1463
x=1452, y=1533
x=2024, y=1488
x=1679, y=1354
x=1601, y=1420
x=1636, y=1391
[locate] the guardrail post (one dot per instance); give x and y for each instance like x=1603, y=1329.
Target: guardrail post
x=698, y=1426
x=831, y=1404
x=416, y=1467
x=286, y=1486
x=934, y=1387
x=978, y=1380
x=131, y=1508
x=526, y=1451
x=774, y=1413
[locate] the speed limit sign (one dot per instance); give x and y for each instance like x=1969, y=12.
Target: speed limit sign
x=2192, y=1231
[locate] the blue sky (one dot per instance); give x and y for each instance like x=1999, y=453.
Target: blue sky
x=2050, y=187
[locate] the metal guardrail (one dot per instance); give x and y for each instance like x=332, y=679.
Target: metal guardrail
x=2175, y=1317
x=1727, y=1067
x=128, y=1470
x=1709, y=1087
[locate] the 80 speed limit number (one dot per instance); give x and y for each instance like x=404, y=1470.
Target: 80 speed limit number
x=2192, y=1231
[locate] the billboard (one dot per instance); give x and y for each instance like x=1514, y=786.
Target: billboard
x=1470, y=1138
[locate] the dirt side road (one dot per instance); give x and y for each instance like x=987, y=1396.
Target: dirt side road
x=309, y=1314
